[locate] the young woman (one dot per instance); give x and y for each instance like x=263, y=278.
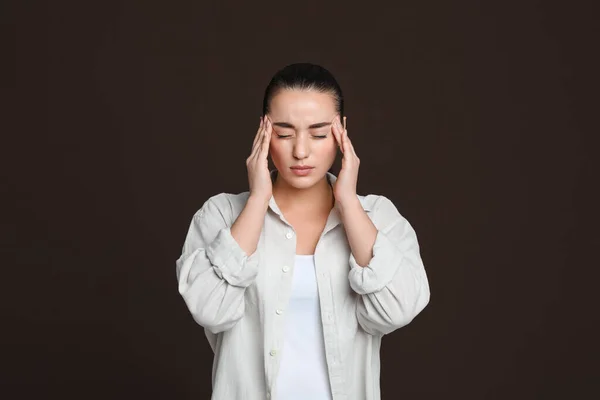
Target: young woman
x=296, y=280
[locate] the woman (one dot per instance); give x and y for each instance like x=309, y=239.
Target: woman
x=297, y=280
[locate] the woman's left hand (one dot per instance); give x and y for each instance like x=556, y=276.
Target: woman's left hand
x=344, y=188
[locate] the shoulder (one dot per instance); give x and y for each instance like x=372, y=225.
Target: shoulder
x=226, y=205
x=381, y=209
x=372, y=203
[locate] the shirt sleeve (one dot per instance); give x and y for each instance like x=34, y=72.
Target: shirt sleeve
x=213, y=271
x=393, y=287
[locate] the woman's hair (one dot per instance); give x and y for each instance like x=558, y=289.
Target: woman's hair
x=304, y=76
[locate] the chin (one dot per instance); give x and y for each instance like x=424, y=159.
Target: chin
x=302, y=182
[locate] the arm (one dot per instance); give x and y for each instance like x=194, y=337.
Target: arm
x=392, y=282
x=215, y=268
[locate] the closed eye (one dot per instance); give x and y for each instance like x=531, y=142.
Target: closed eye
x=314, y=136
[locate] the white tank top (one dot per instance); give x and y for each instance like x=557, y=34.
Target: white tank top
x=303, y=369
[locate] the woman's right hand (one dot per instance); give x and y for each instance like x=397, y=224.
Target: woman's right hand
x=257, y=163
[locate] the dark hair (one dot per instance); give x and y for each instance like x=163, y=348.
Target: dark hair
x=305, y=76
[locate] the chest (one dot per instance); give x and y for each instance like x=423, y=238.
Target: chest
x=279, y=248
x=308, y=231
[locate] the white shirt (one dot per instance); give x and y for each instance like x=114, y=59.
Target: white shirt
x=236, y=298
x=303, y=368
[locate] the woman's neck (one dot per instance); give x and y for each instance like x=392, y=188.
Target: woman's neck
x=316, y=199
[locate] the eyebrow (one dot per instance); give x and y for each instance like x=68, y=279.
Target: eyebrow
x=312, y=126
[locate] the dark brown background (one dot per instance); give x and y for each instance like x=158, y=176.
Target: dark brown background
x=475, y=118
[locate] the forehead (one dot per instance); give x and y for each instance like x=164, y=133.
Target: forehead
x=302, y=105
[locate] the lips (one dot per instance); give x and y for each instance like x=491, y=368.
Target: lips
x=303, y=167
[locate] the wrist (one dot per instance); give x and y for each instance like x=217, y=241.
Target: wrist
x=348, y=204
x=261, y=202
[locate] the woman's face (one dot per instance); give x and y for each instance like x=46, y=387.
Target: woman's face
x=302, y=135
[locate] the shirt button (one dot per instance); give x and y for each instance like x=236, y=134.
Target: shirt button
x=285, y=268
x=273, y=353
x=279, y=311
x=289, y=235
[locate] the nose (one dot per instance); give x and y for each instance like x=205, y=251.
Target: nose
x=301, y=148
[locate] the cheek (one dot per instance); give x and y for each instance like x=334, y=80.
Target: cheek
x=278, y=151
x=275, y=148
x=326, y=149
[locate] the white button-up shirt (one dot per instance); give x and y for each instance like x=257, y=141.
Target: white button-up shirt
x=238, y=298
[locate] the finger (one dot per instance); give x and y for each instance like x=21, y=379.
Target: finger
x=258, y=153
x=258, y=138
x=341, y=136
x=349, y=145
x=344, y=122
x=266, y=139
x=336, y=133
x=258, y=132
x=344, y=142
